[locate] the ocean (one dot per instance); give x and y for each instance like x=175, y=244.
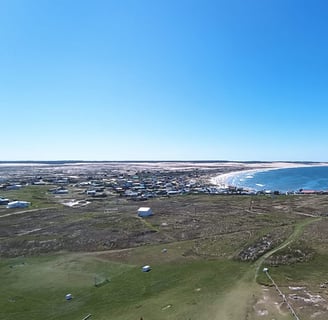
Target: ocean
x=283, y=180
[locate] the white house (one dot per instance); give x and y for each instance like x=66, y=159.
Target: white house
x=18, y=204
x=144, y=212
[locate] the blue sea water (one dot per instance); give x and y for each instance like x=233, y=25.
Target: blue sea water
x=291, y=179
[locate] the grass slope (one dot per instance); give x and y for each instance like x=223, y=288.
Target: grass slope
x=35, y=288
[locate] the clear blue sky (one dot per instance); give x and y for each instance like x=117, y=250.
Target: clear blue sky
x=164, y=79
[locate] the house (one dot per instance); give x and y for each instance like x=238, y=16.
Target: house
x=13, y=187
x=91, y=192
x=4, y=201
x=18, y=204
x=144, y=212
x=60, y=191
x=302, y=191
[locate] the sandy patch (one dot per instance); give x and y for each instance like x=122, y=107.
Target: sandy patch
x=75, y=203
x=167, y=307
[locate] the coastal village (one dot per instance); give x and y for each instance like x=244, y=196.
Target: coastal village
x=133, y=184
x=136, y=186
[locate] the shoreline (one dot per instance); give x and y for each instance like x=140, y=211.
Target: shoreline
x=224, y=180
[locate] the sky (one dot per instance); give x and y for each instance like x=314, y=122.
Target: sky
x=240, y=80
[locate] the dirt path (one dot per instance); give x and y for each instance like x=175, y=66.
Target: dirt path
x=25, y=211
x=238, y=303
x=295, y=235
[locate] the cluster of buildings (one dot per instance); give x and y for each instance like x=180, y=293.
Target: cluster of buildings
x=101, y=182
x=14, y=204
x=140, y=185
x=136, y=183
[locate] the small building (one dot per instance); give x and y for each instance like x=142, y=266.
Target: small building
x=18, y=204
x=302, y=191
x=68, y=296
x=60, y=191
x=145, y=212
x=4, y=201
x=146, y=268
x=13, y=187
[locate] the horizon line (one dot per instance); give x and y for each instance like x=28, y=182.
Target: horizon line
x=141, y=161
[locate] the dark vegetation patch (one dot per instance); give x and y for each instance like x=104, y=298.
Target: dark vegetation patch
x=298, y=251
x=219, y=224
x=263, y=244
x=315, y=235
x=112, y=223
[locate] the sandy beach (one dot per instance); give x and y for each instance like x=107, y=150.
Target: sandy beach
x=223, y=180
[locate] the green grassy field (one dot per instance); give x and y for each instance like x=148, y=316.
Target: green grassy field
x=175, y=288
x=38, y=196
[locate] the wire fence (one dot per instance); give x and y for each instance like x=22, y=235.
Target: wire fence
x=291, y=309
